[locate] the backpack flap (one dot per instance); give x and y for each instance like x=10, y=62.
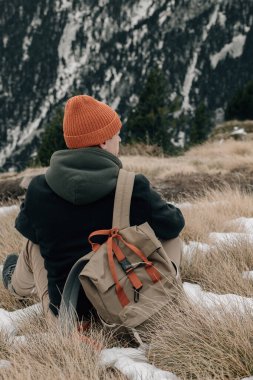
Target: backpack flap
x=97, y=268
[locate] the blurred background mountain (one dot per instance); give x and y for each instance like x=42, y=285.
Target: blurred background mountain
x=172, y=69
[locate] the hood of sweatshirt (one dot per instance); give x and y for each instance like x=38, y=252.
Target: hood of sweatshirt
x=84, y=175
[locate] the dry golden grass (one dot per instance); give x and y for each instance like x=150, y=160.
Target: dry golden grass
x=220, y=270
x=10, y=239
x=198, y=343
x=52, y=355
x=213, y=211
x=211, y=158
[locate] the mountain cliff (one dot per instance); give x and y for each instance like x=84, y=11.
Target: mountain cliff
x=53, y=49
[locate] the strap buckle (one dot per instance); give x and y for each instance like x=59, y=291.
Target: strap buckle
x=114, y=231
x=126, y=265
x=137, y=294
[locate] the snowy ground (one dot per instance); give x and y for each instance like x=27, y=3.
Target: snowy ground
x=7, y=209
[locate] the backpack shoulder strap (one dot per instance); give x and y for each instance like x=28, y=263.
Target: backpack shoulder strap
x=122, y=200
x=67, y=313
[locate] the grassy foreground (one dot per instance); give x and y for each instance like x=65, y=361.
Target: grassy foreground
x=190, y=341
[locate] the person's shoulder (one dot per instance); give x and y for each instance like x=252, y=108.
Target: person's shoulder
x=37, y=184
x=38, y=180
x=141, y=185
x=141, y=180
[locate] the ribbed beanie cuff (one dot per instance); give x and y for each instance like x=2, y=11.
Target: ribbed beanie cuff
x=88, y=122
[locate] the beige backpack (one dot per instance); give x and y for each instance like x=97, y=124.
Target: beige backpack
x=131, y=276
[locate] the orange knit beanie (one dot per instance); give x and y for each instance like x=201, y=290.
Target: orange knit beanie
x=88, y=122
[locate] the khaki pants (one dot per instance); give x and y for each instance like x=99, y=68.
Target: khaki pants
x=30, y=277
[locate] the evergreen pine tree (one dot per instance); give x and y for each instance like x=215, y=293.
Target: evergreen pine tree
x=200, y=126
x=148, y=121
x=52, y=138
x=241, y=105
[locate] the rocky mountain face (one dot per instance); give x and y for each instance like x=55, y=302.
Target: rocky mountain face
x=53, y=49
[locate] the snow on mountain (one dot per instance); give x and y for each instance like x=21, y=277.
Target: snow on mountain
x=234, y=49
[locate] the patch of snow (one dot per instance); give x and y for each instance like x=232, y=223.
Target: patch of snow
x=180, y=140
x=5, y=40
x=6, y=323
x=173, y=96
x=36, y=22
x=111, y=82
x=140, y=11
x=5, y=210
x=247, y=275
x=30, y=131
x=245, y=224
x=133, y=364
x=234, y=50
x=192, y=71
x=231, y=302
x=230, y=238
x=10, y=319
x=164, y=15
x=183, y=204
x=118, y=45
x=238, y=132
x=160, y=45
x=138, y=35
x=177, y=114
x=63, y=4
x=21, y=11
x=107, y=30
x=133, y=100
x=188, y=81
x=115, y=103
x=222, y=19
x=26, y=44
x=102, y=3
x=69, y=64
x=212, y=21
x=10, y=147
x=21, y=340
x=190, y=249
x=5, y=363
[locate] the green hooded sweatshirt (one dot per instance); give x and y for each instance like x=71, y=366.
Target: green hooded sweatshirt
x=80, y=176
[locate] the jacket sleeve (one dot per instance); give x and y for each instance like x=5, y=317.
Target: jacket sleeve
x=23, y=222
x=165, y=219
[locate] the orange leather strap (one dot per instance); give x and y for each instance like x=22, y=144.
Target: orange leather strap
x=119, y=290
x=133, y=278
x=151, y=270
x=96, y=246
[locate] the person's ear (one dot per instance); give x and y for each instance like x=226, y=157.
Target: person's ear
x=103, y=145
